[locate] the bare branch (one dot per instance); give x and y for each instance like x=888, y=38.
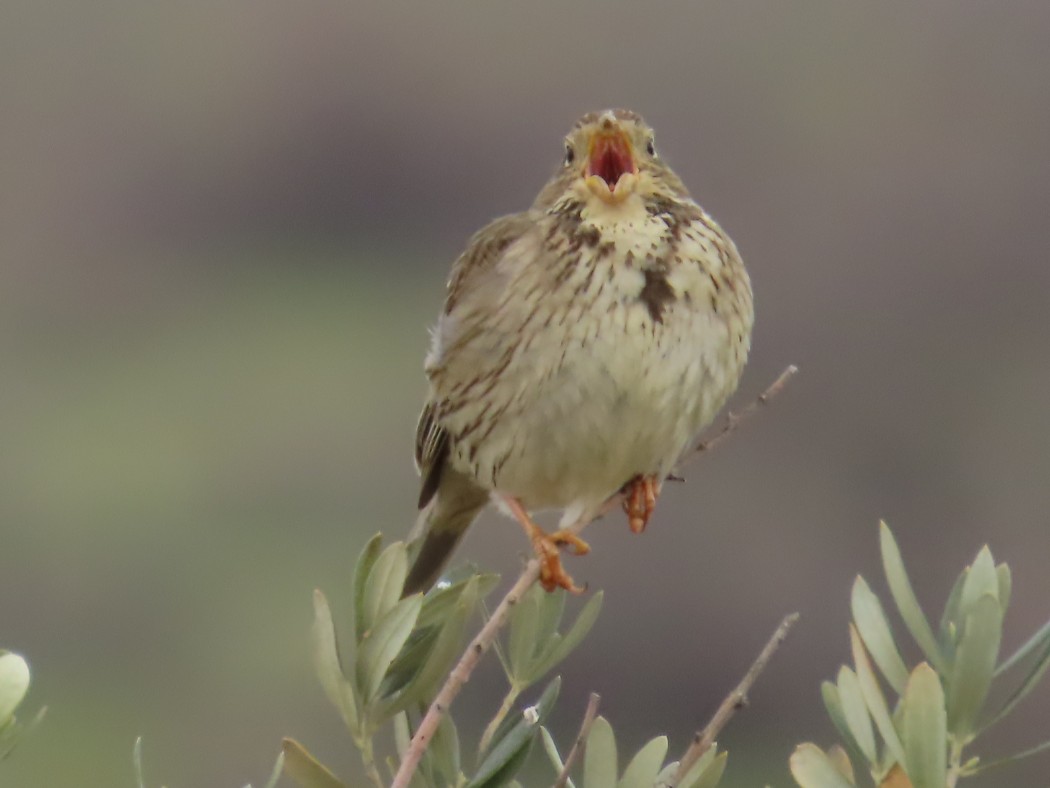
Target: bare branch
x=460, y=674
x=581, y=741
x=734, y=420
x=487, y=636
x=736, y=699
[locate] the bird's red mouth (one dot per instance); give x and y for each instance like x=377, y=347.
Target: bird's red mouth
x=610, y=157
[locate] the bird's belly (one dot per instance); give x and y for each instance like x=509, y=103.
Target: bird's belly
x=613, y=404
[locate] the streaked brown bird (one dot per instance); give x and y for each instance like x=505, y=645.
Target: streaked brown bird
x=583, y=345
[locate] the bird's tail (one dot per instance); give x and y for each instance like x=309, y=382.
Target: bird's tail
x=442, y=524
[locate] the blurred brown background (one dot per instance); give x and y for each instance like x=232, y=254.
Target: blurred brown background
x=225, y=229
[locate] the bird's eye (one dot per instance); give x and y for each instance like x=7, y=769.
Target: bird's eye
x=570, y=154
x=650, y=147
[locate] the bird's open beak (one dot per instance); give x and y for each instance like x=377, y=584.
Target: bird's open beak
x=610, y=157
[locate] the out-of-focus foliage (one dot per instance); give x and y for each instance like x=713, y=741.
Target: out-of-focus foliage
x=923, y=738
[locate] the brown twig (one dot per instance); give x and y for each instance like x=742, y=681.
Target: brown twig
x=736, y=699
x=581, y=740
x=734, y=420
x=460, y=674
x=487, y=635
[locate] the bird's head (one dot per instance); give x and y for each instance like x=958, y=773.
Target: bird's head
x=609, y=156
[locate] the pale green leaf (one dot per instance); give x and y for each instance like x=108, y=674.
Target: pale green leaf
x=980, y=580
x=838, y=756
x=904, y=596
x=1006, y=586
x=136, y=762
x=304, y=769
x=384, y=585
x=924, y=723
x=812, y=768
x=382, y=643
x=551, y=749
x=524, y=625
x=410, y=660
x=552, y=608
x=950, y=620
x=14, y=683
x=641, y=772
x=875, y=631
x=856, y=713
x=974, y=665
x=327, y=664
x=362, y=569
x=708, y=775
x=561, y=648
x=663, y=779
x=833, y=703
x=873, y=697
x=599, y=759
x=402, y=734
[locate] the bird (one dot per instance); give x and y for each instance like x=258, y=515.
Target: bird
x=583, y=345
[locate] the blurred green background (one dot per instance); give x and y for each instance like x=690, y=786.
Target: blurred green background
x=225, y=229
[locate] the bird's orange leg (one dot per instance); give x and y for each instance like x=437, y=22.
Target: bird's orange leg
x=639, y=501
x=548, y=549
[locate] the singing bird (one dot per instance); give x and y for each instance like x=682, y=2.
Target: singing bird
x=583, y=345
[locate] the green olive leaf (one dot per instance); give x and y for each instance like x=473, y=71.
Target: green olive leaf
x=812, y=768
x=875, y=631
x=304, y=769
x=904, y=596
x=362, y=569
x=975, y=657
x=925, y=729
x=383, y=642
x=383, y=587
x=641, y=772
x=328, y=666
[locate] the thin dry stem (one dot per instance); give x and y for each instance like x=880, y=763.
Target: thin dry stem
x=460, y=674
x=580, y=744
x=504, y=709
x=736, y=699
x=487, y=635
x=734, y=420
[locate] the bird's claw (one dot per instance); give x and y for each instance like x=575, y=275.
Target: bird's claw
x=640, y=500
x=548, y=549
x=552, y=573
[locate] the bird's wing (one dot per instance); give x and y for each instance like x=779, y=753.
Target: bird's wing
x=473, y=267
x=483, y=251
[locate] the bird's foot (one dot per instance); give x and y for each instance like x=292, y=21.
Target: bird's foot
x=547, y=548
x=552, y=573
x=639, y=501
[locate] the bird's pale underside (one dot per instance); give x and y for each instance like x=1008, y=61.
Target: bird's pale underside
x=583, y=345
